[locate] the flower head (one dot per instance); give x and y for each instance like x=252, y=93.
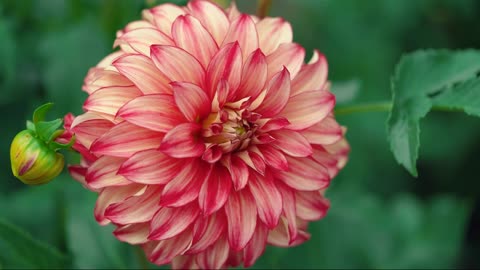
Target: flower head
x=207, y=136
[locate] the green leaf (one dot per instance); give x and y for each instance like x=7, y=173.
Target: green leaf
x=40, y=113
x=20, y=250
x=464, y=96
x=46, y=129
x=419, y=77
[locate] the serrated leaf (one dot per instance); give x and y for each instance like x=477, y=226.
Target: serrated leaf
x=419, y=77
x=464, y=96
x=20, y=250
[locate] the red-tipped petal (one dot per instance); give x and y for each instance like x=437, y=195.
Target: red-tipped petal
x=304, y=174
x=238, y=171
x=177, y=64
x=112, y=195
x=182, y=141
x=143, y=73
x=215, y=190
x=274, y=124
x=108, y=100
x=290, y=55
x=207, y=230
x=274, y=157
x=215, y=256
x=170, y=222
x=125, y=139
x=254, y=76
x=325, y=132
x=256, y=246
x=135, y=209
x=150, y=167
x=267, y=198
x=184, y=261
x=141, y=39
x=163, y=16
x=103, y=173
x=308, y=108
x=291, y=143
x=311, y=205
x=226, y=64
x=312, y=76
x=192, y=101
x=278, y=93
x=162, y=252
x=280, y=236
x=88, y=129
x=98, y=78
x=212, y=17
x=272, y=32
x=155, y=112
x=289, y=210
x=190, y=35
x=243, y=30
x=134, y=234
x=241, y=214
x=186, y=185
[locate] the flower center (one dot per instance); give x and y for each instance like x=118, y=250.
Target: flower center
x=229, y=129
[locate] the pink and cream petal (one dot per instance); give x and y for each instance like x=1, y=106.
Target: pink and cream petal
x=207, y=230
x=155, y=112
x=182, y=141
x=268, y=199
x=325, y=132
x=254, y=76
x=135, y=209
x=274, y=157
x=139, y=40
x=169, y=222
x=291, y=143
x=103, y=173
x=277, y=95
x=256, y=246
x=215, y=190
x=308, y=108
x=241, y=213
x=163, y=252
x=212, y=17
x=312, y=76
x=99, y=78
x=125, y=139
x=304, y=174
x=215, y=256
x=289, y=55
x=311, y=205
x=112, y=195
x=238, y=170
x=108, y=100
x=150, y=167
x=289, y=210
x=243, y=31
x=90, y=129
x=163, y=16
x=143, y=73
x=192, y=101
x=134, y=234
x=186, y=185
x=190, y=35
x=272, y=32
x=177, y=64
x=225, y=65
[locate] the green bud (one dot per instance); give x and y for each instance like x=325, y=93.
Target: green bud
x=33, y=162
x=33, y=152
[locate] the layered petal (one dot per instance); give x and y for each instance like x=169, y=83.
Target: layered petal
x=155, y=112
x=304, y=174
x=215, y=256
x=326, y=132
x=108, y=100
x=267, y=198
x=143, y=73
x=272, y=32
x=103, y=173
x=182, y=141
x=169, y=222
x=312, y=76
x=212, y=17
x=241, y=213
x=289, y=55
x=225, y=65
x=139, y=40
x=311, y=205
x=192, y=101
x=215, y=190
x=277, y=95
x=125, y=139
x=134, y=234
x=254, y=76
x=243, y=31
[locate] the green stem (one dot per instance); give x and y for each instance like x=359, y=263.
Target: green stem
x=383, y=106
x=263, y=7
x=142, y=260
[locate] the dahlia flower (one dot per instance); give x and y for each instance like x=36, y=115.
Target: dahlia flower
x=206, y=136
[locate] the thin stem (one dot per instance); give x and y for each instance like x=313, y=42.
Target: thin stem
x=142, y=260
x=383, y=106
x=263, y=7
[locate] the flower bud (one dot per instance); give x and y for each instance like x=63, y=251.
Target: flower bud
x=33, y=162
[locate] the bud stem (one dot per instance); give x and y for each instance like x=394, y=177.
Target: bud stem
x=263, y=7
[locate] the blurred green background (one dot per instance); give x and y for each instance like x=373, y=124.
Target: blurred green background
x=380, y=217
